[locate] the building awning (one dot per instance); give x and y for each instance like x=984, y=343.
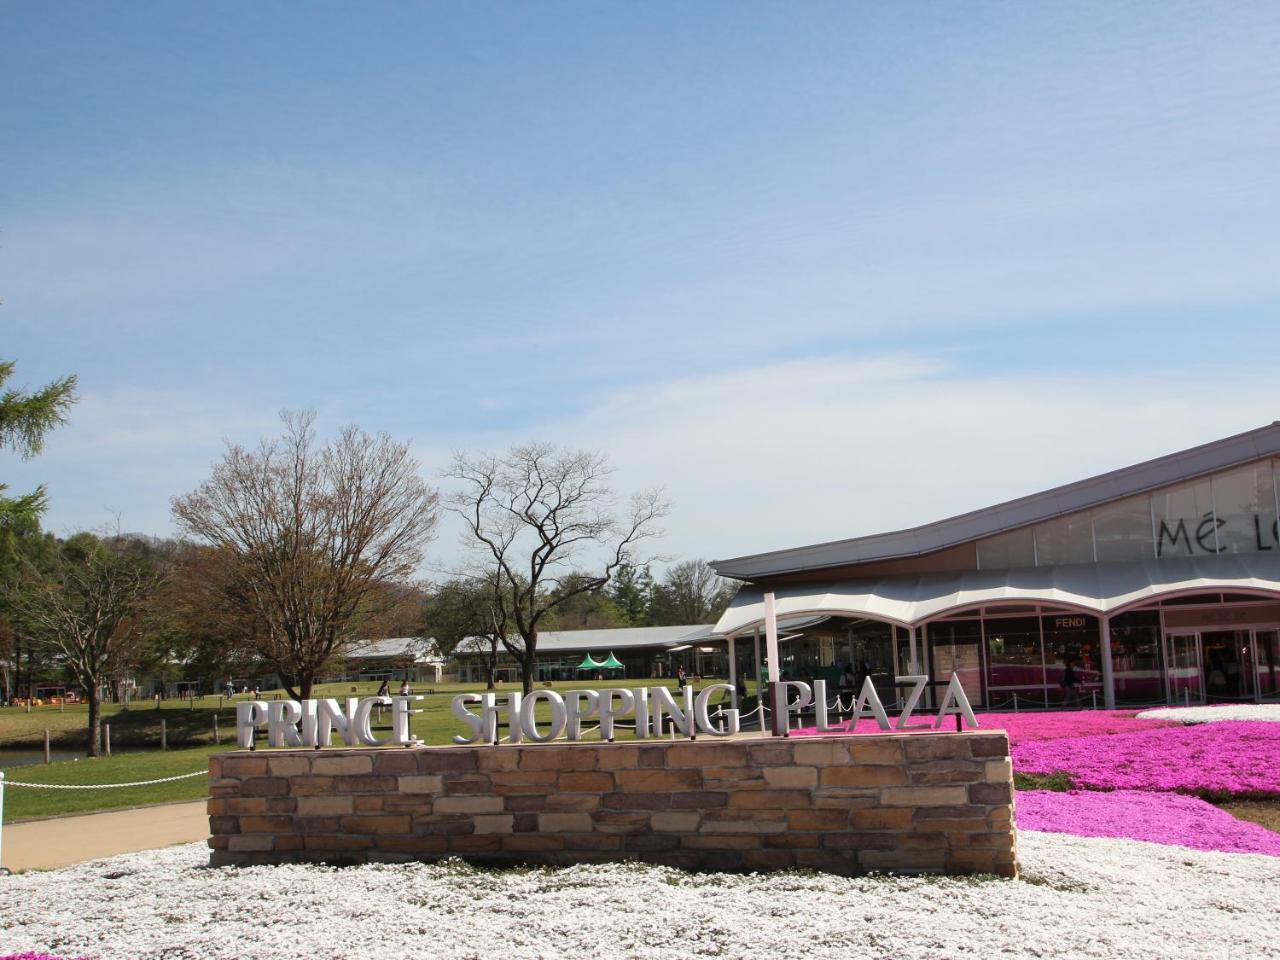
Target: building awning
x=1094, y=588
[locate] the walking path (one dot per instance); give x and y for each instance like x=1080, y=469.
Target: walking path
x=46, y=844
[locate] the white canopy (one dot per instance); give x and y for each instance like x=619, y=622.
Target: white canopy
x=1094, y=588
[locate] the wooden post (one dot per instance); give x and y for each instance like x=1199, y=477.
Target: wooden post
x=106, y=738
x=46, y=746
x=216, y=738
x=164, y=734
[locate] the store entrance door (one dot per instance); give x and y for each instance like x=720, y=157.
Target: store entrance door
x=1226, y=655
x=1186, y=682
x=1266, y=670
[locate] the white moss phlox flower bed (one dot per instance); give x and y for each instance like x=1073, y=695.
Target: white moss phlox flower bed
x=1226, y=711
x=1081, y=897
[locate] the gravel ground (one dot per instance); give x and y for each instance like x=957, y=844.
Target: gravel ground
x=1229, y=711
x=1081, y=897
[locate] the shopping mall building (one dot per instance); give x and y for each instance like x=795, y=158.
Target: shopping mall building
x=1157, y=583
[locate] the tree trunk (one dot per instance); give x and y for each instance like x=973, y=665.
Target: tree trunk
x=305, y=683
x=95, y=720
x=493, y=667
x=528, y=664
x=17, y=666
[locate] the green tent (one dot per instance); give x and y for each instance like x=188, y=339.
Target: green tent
x=610, y=664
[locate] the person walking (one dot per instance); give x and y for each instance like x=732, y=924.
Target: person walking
x=1070, y=681
x=385, y=689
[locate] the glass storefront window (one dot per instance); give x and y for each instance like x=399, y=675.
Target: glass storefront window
x=1007, y=550
x=1267, y=677
x=1122, y=530
x=1066, y=539
x=1244, y=504
x=871, y=653
x=955, y=647
x=1183, y=520
x=1072, y=638
x=1015, y=660
x=1231, y=512
x=902, y=650
x=1137, y=666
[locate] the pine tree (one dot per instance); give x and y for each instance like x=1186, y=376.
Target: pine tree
x=632, y=593
x=25, y=418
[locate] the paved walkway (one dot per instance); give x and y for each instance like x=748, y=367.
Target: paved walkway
x=45, y=844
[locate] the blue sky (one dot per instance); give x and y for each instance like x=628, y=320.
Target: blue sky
x=819, y=269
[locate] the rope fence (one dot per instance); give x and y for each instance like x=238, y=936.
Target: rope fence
x=99, y=786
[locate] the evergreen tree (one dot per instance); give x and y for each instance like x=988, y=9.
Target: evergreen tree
x=25, y=418
x=632, y=593
x=591, y=609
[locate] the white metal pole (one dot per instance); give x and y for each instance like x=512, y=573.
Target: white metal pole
x=759, y=676
x=912, y=653
x=1108, y=678
x=733, y=674
x=775, y=662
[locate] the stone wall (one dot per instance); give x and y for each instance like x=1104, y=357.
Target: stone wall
x=903, y=802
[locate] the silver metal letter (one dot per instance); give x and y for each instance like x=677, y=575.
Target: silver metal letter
x=913, y=698
x=820, y=706
x=473, y=721
x=869, y=705
x=626, y=703
x=704, y=721
x=528, y=718
x=954, y=701
x=783, y=706
x=249, y=716
x=282, y=723
x=400, y=713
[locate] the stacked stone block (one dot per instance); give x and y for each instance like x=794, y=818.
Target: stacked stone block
x=847, y=805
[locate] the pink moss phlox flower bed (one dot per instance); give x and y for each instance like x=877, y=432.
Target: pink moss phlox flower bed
x=1168, y=818
x=1212, y=759
x=30, y=956
x=1025, y=727
x=1028, y=727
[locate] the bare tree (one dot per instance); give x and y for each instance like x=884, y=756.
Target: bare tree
x=89, y=610
x=314, y=537
x=537, y=513
x=691, y=592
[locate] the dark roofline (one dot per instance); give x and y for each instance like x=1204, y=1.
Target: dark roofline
x=967, y=527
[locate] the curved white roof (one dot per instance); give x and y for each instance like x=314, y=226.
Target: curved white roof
x=1094, y=588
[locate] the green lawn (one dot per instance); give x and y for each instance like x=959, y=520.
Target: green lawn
x=135, y=733
x=23, y=803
